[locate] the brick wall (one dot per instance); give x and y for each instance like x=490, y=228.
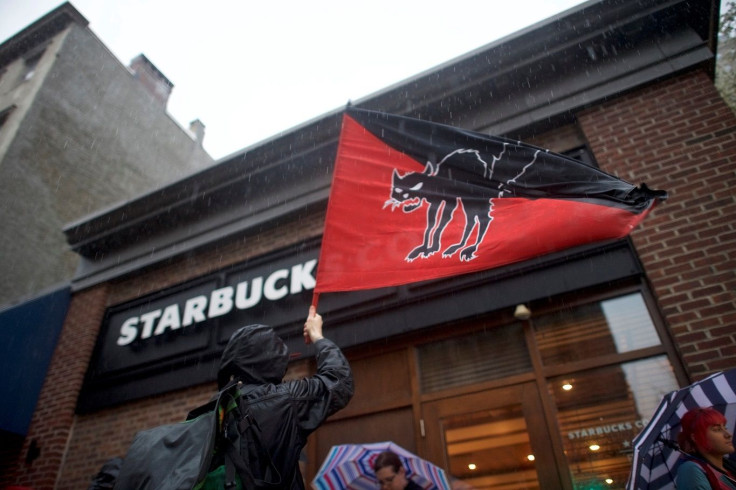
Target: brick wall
x=53, y=420
x=107, y=433
x=680, y=136
x=74, y=447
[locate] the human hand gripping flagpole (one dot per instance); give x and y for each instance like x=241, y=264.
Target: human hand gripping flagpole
x=313, y=326
x=312, y=313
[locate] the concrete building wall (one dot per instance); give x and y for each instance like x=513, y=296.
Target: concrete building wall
x=85, y=134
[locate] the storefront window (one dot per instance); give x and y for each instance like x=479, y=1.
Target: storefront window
x=600, y=411
x=491, y=449
x=613, y=326
x=605, y=369
x=492, y=353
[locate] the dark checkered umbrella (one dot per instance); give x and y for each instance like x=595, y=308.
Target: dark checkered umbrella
x=656, y=453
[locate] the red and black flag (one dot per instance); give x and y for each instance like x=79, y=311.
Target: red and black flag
x=413, y=200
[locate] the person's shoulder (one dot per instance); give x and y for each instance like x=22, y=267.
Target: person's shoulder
x=688, y=466
x=253, y=394
x=690, y=474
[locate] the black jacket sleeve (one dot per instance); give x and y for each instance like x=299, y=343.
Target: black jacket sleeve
x=326, y=392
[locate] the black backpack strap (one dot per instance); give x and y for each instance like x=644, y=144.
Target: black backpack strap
x=223, y=404
x=242, y=438
x=234, y=462
x=238, y=440
x=249, y=425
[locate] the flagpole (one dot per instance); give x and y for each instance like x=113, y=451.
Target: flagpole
x=315, y=295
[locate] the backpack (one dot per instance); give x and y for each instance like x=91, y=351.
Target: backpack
x=240, y=459
x=105, y=478
x=218, y=446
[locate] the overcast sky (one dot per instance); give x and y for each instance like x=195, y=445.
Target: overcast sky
x=249, y=69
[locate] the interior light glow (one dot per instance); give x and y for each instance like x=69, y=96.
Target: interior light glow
x=567, y=386
x=594, y=447
x=472, y=466
x=609, y=480
x=531, y=457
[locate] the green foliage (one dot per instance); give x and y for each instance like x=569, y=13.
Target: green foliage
x=726, y=60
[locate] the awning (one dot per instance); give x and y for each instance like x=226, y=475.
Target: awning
x=28, y=336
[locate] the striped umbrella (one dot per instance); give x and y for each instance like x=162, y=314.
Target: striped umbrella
x=349, y=466
x=654, y=464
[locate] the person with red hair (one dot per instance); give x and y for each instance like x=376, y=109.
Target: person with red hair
x=705, y=440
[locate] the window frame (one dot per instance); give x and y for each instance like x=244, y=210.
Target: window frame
x=5, y=114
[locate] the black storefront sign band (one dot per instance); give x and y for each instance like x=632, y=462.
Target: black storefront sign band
x=145, y=342
x=199, y=304
x=173, y=339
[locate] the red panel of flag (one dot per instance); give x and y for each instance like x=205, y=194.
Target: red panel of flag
x=413, y=200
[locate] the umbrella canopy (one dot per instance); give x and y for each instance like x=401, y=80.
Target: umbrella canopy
x=349, y=466
x=654, y=463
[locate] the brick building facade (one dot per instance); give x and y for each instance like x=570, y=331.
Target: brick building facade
x=684, y=126
x=437, y=359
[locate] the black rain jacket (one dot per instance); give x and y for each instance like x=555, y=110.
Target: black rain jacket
x=286, y=412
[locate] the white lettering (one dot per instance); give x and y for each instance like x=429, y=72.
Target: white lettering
x=270, y=291
x=194, y=310
x=148, y=319
x=221, y=302
x=242, y=301
x=246, y=294
x=128, y=331
x=301, y=277
x=170, y=319
x=603, y=429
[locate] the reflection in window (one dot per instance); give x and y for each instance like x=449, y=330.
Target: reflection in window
x=30, y=65
x=600, y=411
x=493, y=353
x=5, y=114
x=608, y=327
x=490, y=449
x=629, y=322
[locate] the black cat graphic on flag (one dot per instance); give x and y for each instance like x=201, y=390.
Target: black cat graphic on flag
x=443, y=195
x=468, y=202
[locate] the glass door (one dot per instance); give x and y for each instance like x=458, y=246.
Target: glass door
x=495, y=439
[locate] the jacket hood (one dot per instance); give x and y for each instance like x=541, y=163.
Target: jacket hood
x=254, y=355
